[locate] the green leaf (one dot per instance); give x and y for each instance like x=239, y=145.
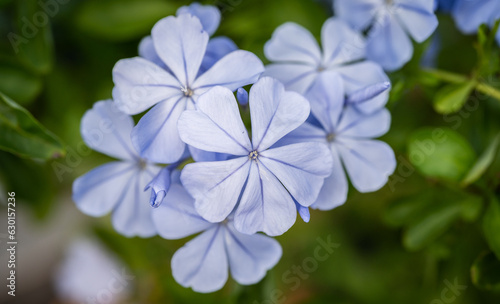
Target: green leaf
x=485, y=272
x=22, y=134
x=19, y=84
x=33, y=24
x=483, y=163
x=491, y=226
x=405, y=210
x=431, y=226
x=121, y=20
x=440, y=153
x=452, y=97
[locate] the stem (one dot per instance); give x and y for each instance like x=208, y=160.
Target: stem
x=458, y=78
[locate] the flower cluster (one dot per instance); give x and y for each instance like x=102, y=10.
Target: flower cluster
x=314, y=113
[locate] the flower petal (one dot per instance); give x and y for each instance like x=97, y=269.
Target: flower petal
x=265, y=205
x=295, y=77
x=236, y=69
x=140, y=84
x=420, y=23
x=355, y=124
x=335, y=188
x=209, y=15
x=107, y=130
x=99, y=190
x=147, y=51
x=250, y=256
x=275, y=112
x=202, y=263
x=388, y=44
x=341, y=44
x=369, y=163
x=156, y=135
x=293, y=43
x=469, y=15
x=181, y=43
x=216, y=125
x=360, y=75
x=301, y=168
x=132, y=215
x=359, y=14
x=327, y=99
x=216, y=186
x=217, y=48
x=177, y=218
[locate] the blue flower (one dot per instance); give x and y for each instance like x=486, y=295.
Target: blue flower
x=203, y=262
x=271, y=177
x=298, y=60
x=118, y=186
x=349, y=133
x=390, y=23
x=209, y=15
x=181, y=44
x=469, y=15
x=445, y=5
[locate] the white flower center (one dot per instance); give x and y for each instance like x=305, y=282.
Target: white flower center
x=253, y=155
x=187, y=91
x=330, y=137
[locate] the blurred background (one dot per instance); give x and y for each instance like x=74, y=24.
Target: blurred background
x=424, y=238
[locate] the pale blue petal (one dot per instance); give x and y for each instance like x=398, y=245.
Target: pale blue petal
x=293, y=43
x=421, y=5
x=294, y=76
x=335, y=188
x=242, y=96
x=132, y=215
x=181, y=42
x=140, y=84
x=327, y=99
x=369, y=163
x=420, y=23
x=205, y=156
x=216, y=186
x=106, y=129
x=388, y=44
x=275, y=112
x=469, y=15
x=209, y=15
x=341, y=44
x=98, y=191
x=147, y=51
x=359, y=14
x=303, y=212
x=301, y=168
x=360, y=75
x=305, y=133
x=237, y=69
x=367, y=93
x=250, y=256
x=177, y=218
x=265, y=205
x=217, y=48
x=159, y=186
x=202, y=263
x=156, y=135
x=216, y=125
x=358, y=125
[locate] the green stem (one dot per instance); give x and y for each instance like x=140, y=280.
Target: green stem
x=458, y=78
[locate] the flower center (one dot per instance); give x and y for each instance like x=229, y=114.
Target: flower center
x=330, y=137
x=253, y=155
x=389, y=2
x=142, y=164
x=320, y=68
x=187, y=91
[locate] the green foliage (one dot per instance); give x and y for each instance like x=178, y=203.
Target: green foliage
x=452, y=97
x=482, y=164
x=485, y=272
x=491, y=226
x=23, y=135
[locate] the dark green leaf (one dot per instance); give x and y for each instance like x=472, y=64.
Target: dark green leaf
x=452, y=97
x=121, y=20
x=491, y=226
x=485, y=272
x=22, y=134
x=440, y=153
x=482, y=163
x=19, y=84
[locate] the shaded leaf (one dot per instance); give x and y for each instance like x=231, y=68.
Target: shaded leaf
x=491, y=226
x=482, y=163
x=22, y=134
x=452, y=97
x=485, y=272
x=19, y=84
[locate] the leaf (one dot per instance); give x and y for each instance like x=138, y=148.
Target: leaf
x=405, y=210
x=121, y=19
x=22, y=134
x=485, y=272
x=440, y=153
x=18, y=83
x=33, y=24
x=452, y=97
x=491, y=226
x=483, y=163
